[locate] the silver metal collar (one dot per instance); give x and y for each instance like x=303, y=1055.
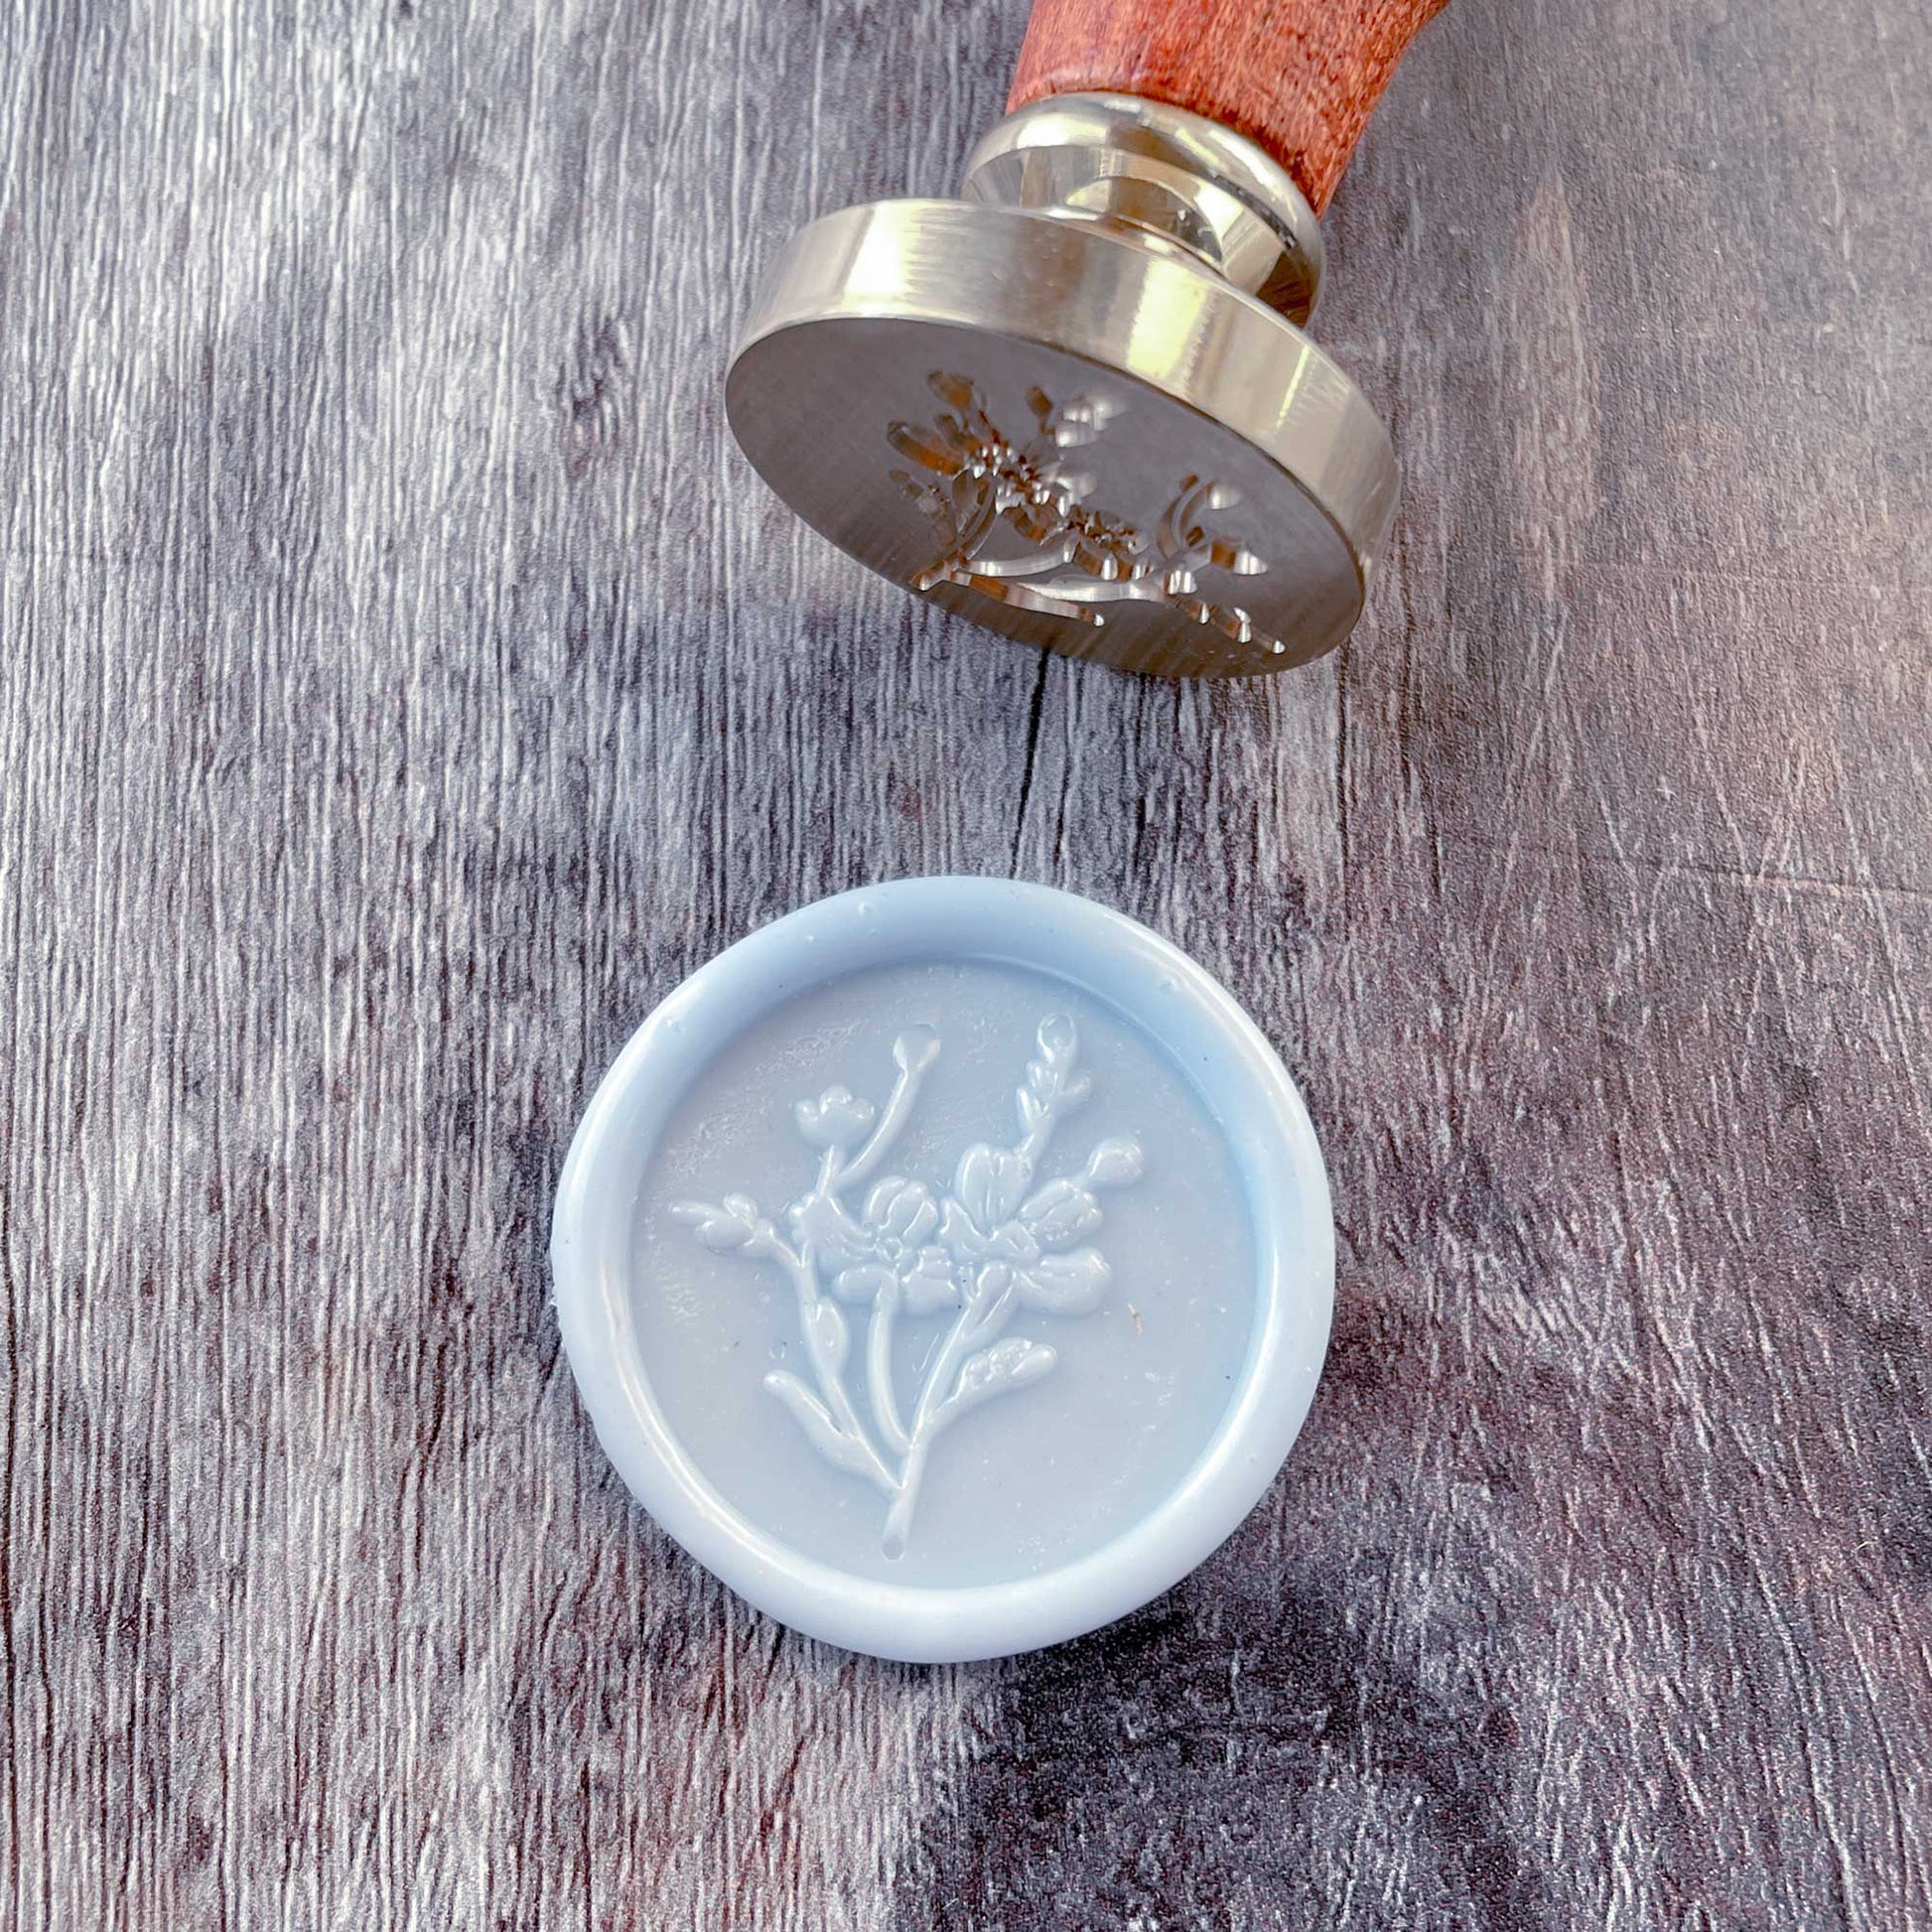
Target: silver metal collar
x=1162, y=177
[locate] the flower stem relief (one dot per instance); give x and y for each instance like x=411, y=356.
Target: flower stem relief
x=878, y=1251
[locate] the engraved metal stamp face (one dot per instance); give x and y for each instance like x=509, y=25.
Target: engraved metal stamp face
x=1012, y=523
x=996, y=1241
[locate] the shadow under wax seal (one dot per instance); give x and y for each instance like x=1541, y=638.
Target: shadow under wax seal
x=949, y=1267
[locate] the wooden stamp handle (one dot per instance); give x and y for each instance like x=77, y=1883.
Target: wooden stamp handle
x=1299, y=77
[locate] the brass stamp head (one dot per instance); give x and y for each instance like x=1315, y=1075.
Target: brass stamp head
x=1072, y=406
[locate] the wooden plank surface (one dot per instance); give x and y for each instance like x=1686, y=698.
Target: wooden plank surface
x=403, y=683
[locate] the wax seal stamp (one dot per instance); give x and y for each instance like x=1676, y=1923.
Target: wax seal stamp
x=947, y=1265
x=1078, y=405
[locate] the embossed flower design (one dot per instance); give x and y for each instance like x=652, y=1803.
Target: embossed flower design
x=888, y=1252
x=998, y=1241
x=1034, y=1245
x=834, y=1119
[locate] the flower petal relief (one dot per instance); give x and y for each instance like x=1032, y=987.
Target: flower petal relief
x=1000, y=1239
x=834, y=1119
x=890, y=1252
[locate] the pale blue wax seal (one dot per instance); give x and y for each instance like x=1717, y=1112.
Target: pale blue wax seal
x=947, y=1267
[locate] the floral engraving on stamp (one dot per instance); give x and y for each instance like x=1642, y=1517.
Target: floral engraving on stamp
x=997, y=1241
x=1011, y=521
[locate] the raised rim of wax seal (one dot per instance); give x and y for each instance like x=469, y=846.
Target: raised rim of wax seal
x=1183, y=1012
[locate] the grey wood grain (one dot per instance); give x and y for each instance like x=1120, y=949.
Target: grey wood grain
x=403, y=683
